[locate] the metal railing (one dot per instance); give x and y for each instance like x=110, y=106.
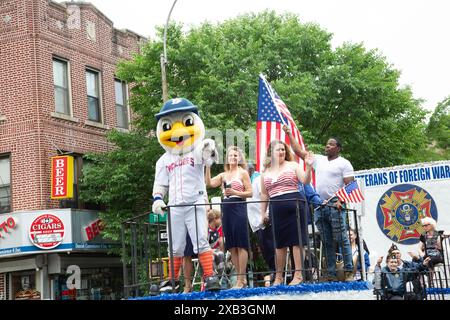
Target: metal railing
x=145, y=250
x=411, y=285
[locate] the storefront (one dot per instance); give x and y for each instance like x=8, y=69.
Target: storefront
x=41, y=250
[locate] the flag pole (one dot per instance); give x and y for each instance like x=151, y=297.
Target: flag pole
x=360, y=232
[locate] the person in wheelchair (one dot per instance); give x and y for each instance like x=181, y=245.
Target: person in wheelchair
x=390, y=281
x=417, y=292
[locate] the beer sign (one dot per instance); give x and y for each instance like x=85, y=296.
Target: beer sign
x=62, y=177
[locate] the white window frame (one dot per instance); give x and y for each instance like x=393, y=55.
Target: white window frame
x=125, y=104
x=7, y=156
x=100, y=102
x=69, y=86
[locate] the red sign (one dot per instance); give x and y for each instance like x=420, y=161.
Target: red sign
x=10, y=223
x=92, y=230
x=62, y=177
x=47, y=231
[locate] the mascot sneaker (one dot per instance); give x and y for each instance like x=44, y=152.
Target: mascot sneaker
x=212, y=283
x=166, y=286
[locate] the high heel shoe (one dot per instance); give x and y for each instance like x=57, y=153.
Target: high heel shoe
x=240, y=284
x=188, y=287
x=277, y=282
x=297, y=280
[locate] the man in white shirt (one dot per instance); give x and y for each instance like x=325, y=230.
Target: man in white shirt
x=332, y=173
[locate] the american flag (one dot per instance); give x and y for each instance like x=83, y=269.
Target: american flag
x=350, y=193
x=272, y=115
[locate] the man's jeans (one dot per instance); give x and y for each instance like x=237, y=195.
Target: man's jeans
x=332, y=226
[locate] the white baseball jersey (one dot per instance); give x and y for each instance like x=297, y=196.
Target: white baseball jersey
x=185, y=179
x=330, y=174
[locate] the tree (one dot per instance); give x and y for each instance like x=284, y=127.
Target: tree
x=360, y=101
x=350, y=92
x=121, y=179
x=438, y=131
x=347, y=92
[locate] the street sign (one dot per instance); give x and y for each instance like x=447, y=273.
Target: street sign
x=156, y=218
x=162, y=236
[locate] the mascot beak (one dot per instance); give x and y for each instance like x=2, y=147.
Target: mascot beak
x=180, y=136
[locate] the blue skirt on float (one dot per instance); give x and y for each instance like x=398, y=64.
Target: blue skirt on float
x=234, y=223
x=283, y=215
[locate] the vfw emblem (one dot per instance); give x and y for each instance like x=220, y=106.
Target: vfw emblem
x=400, y=209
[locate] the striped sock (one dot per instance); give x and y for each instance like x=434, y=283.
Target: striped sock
x=176, y=267
x=206, y=261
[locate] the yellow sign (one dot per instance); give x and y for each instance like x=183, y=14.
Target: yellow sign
x=62, y=177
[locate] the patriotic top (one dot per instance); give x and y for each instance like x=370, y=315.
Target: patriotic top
x=287, y=182
x=236, y=184
x=214, y=236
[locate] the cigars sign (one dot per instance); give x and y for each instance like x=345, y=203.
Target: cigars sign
x=46, y=231
x=53, y=230
x=62, y=177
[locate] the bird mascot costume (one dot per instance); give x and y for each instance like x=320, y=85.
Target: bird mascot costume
x=180, y=171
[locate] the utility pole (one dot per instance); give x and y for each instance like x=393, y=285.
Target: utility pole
x=165, y=94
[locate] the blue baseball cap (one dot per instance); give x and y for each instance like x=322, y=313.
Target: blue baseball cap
x=176, y=105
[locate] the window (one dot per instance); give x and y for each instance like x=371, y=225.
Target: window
x=5, y=185
x=121, y=104
x=61, y=86
x=93, y=95
x=96, y=284
x=23, y=286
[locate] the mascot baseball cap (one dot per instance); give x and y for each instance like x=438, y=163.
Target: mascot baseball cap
x=176, y=105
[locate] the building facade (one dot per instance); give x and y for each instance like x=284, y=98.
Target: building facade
x=59, y=94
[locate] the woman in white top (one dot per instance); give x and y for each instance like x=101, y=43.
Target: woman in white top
x=236, y=187
x=279, y=182
x=354, y=240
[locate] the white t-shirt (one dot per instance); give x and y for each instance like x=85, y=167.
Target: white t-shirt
x=185, y=179
x=330, y=174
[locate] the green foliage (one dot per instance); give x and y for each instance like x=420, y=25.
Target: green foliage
x=121, y=179
x=360, y=102
x=348, y=92
x=438, y=130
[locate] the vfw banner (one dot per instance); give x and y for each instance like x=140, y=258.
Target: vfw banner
x=396, y=198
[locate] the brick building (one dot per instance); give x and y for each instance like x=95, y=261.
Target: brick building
x=58, y=95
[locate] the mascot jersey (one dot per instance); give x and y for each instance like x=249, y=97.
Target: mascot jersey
x=182, y=176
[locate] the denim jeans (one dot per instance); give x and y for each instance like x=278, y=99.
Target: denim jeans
x=332, y=226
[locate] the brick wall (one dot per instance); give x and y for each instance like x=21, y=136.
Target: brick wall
x=32, y=32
